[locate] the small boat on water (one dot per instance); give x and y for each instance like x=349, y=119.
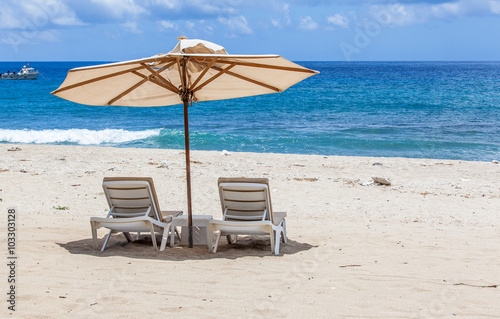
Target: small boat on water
x=26, y=73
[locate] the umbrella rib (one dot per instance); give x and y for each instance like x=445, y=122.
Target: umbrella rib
x=144, y=79
x=160, y=83
x=203, y=73
x=252, y=81
x=180, y=73
x=153, y=59
x=266, y=66
x=221, y=72
x=156, y=72
x=104, y=77
x=140, y=74
x=127, y=91
x=166, y=84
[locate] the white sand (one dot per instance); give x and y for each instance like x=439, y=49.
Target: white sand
x=423, y=247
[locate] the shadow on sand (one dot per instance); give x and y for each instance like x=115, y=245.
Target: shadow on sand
x=247, y=246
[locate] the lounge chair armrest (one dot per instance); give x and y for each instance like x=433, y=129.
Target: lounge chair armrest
x=127, y=220
x=215, y=222
x=278, y=217
x=167, y=215
x=160, y=224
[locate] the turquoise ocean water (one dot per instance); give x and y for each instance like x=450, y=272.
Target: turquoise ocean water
x=446, y=110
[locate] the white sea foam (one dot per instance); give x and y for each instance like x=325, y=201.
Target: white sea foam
x=77, y=136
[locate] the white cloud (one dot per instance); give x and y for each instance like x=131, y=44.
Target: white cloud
x=495, y=7
x=418, y=13
x=170, y=4
x=236, y=25
x=307, y=23
x=286, y=9
x=399, y=15
x=188, y=8
x=131, y=27
x=67, y=17
x=205, y=26
x=276, y=23
x=279, y=7
x=31, y=37
x=190, y=25
x=447, y=9
x=209, y=29
x=197, y=29
x=166, y=25
x=218, y=7
x=49, y=36
x=9, y=20
x=339, y=20
x=120, y=8
x=67, y=21
x=39, y=14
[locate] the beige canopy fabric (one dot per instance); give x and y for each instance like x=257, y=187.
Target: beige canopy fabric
x=212, y=74
x=195, y=70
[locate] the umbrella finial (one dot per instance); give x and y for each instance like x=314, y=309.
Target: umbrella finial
x=182, y=37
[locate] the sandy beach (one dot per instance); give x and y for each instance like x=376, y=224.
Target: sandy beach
x=427, y=246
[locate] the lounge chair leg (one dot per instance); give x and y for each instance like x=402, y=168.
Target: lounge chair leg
x=153, y=237
x=284, y=231
x=277, y=242
x=217, y=241
x=94, y=236
x=164, y=238
x=272, y=235
x=173, y=230
x=138, y=236
x=106, y=241
x=231, y=239
x=210, y=238
x=127, y=235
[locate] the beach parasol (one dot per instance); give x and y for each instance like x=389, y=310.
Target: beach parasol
x=195, y=70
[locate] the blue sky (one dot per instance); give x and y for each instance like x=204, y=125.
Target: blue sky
x=299, y=30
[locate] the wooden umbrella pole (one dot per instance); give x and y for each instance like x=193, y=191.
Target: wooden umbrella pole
x=188, y=175
x=185, y=100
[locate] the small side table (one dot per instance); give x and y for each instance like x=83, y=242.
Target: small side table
x=200, y=224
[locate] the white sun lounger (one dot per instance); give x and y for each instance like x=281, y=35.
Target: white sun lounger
x=247, y=210
x=134, y=207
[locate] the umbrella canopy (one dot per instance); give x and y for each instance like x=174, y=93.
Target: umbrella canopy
x=195, y=70
x=212, y=74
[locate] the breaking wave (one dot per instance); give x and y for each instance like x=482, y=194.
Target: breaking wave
x=75, y=136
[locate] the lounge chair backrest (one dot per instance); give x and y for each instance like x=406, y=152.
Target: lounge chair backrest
x=131, y=197
x=245, y=199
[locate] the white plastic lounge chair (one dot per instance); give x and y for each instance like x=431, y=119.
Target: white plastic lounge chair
x=133, y=208
x=247, y=210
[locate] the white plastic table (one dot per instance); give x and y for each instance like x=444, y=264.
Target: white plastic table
x=200, y=224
